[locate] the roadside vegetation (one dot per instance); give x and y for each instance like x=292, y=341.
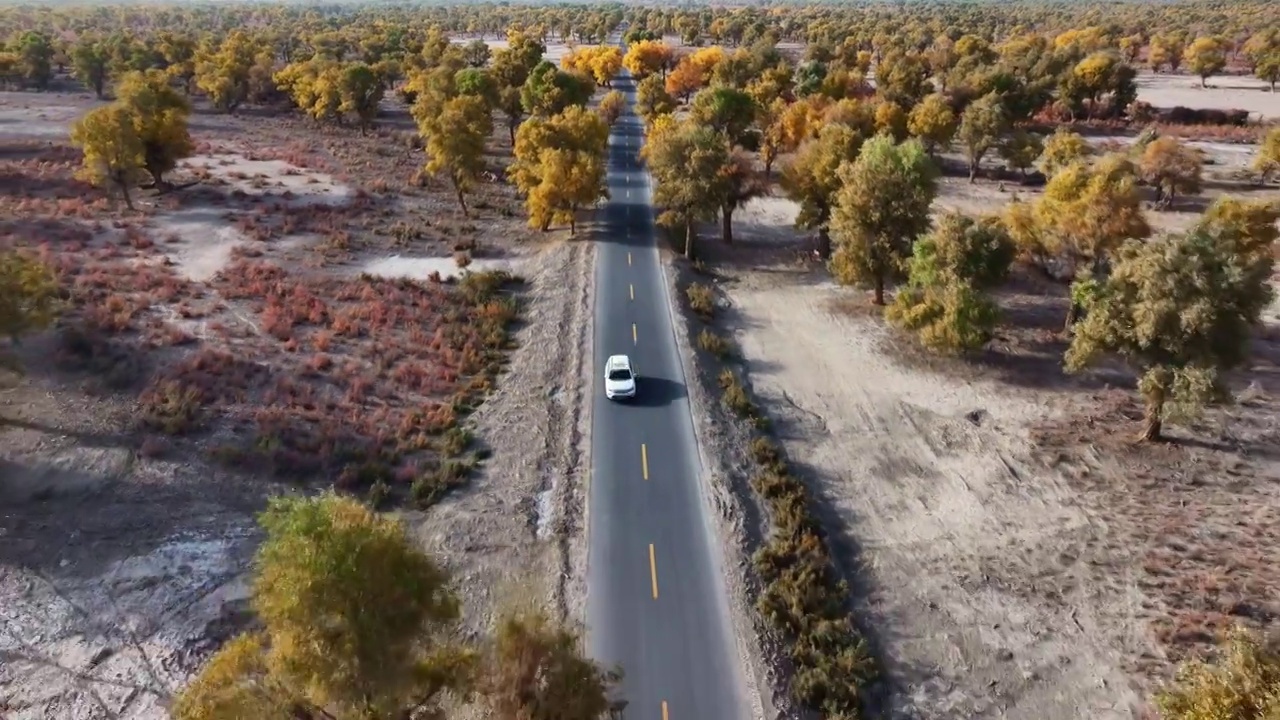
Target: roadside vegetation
x=282, y=353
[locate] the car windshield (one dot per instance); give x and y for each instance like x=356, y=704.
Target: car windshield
x=620, y=374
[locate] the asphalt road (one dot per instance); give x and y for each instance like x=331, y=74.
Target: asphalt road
x=656, y=601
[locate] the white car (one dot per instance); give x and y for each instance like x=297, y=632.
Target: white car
x=619, y=378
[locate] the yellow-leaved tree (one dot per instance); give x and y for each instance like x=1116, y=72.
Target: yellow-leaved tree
x=560, y=165
x=28, y=298
x=455, y=140
x=161, y=113
x=358, y=624
x=114, y=151
x=223, y=70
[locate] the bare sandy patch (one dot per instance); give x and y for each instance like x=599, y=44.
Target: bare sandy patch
x=1225, y=92
x=975, y=563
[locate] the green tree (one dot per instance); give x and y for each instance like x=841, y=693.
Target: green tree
x=161, y=114
x=652, y=99
x=360, y=90
x=739, y=183
x=35, y=54
x=90, y=61
x=477, y=53
x=1020, y=149
x=686, y=162
x=511, y=68
x=726, y=110
x=28, y=299
x=1206, y=56
x=812, y=178
x=1171, y=167
x=1180, y=310
x=549, y=90
x=114, y=151
x=982, y=126
x=353, y=620
x=933, y=122
x=455, y=140
x=881, y=207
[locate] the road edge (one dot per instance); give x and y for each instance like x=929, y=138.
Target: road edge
x=723, y=503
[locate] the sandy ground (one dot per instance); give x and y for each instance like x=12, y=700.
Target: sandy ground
x=1228, y=92
x=1003, y=566
x=121, y=570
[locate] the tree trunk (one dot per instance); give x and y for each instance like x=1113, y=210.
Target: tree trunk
x=573, y=223
x=824, y=243
x=457, y=189
x=1153, y=417
x=726, y=224
x=1204, y=84
x=973, y=169
x=124, y=190
x=511, y=129
x=879, y=300
x=688, y=239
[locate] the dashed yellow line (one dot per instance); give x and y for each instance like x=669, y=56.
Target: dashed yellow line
x=633, y=291
x=664, y=710
x=628, y=257
x=644, y=461
x=653, y=572
x=635, y=339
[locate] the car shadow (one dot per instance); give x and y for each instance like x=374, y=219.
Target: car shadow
x=656, y=392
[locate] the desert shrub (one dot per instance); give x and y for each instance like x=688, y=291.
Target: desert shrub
x=455, y=442
x=171, y=407
x=433, y=485
x=735, y=395
x=950, y=317
x=765, y=452
x=1243, y=685
x=701, y=300
x=713, y=343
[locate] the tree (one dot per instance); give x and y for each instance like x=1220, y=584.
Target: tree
x=882, y=205
x=1063, y=148
x=35, y=59
x=686, y=162
x=28, y=298
x=114, y=153
x=560, y=165
x=982, y=125
x=455, y=141
x=889, y=118
x=1020, y=150
x=812, y=178
x=511, y=68
x=1244, y=684
x=361, y=91
x=738, y=183
x=652, y=99
x=160, y=114
x=1087, y=212
x=1249, y=226
x=223, y=71
x=1268, y=68
x=1268, y=160
x=1171, y=167
x=1180, y=310
x=726, y=110
x=933, y=122
x=477, y=53
x=353, y=618
x=601, y=62
x=91, y=63
x=1165, y=49
x=769, y=120
x=684, y=80
x=534, y=671
x=648, y=57
x=1206, y=56
x=549, y=90
x=612, y=105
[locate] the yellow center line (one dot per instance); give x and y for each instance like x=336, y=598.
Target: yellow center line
x=633, y=291
x=644, y=461
x=653, y=571
x=664, y=710
x=634, y=338
x=628, y=257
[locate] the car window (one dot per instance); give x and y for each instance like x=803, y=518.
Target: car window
x=619, y=374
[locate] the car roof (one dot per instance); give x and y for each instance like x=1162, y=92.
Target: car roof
x=618, y=361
